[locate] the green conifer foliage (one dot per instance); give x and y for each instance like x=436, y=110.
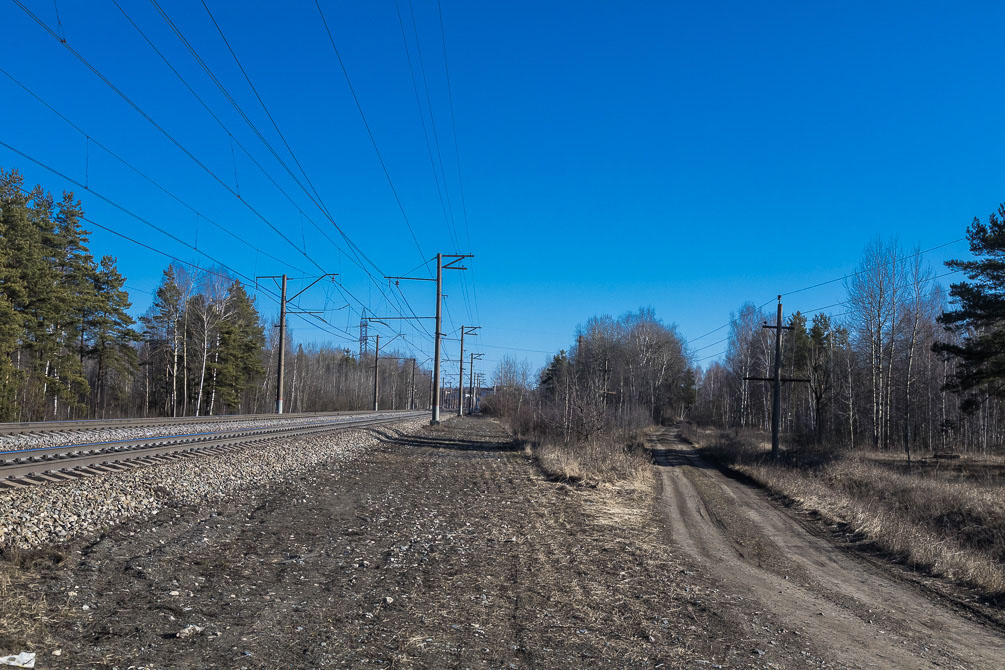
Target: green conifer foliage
x=979, y=315
x=13, y=219
x=112, y=336
x=240, y=344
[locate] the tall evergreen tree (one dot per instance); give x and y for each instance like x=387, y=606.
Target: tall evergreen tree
x=162, y=334
x=241, y=341
x=76, y=273
x=113, y=335
x=979, y=316
x=13, y=219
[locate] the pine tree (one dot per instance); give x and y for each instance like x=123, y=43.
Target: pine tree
x=979, y=316
x=162, y=335
x=13, y=219
x=113, y=335
x=31, y=241
x=77, y=273
x=241, y=340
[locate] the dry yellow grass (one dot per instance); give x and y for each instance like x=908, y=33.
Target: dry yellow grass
x=599, y=463
x=948, y=520
x=25, y=615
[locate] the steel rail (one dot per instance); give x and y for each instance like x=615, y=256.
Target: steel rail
x=81, y=460
x=46, y=427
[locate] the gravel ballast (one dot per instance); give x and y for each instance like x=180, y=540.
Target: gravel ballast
x=60, y=511
x=58, y=438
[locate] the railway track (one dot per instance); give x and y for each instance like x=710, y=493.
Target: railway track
x=48, y=427
x=36, y=465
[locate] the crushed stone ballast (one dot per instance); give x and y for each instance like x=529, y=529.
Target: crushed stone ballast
x=30, y=465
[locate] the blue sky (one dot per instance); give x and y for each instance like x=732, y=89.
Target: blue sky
x=684, y=156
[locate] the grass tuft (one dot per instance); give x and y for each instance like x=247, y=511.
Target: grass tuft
x=25, y=615
x=599, y=462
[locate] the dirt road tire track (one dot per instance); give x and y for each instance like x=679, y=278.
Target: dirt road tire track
x=865, y=617
x=445, y=548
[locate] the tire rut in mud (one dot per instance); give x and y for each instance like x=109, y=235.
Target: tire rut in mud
x=443, y=548
x=865, y=617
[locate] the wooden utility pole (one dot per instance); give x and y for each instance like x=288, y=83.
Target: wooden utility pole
x=436, y=391
x=471, y=382
x=460, y=378
x=776, y=391
x=435, y=420
x=280, y=376
x=776, y=380
x=411, y=397
x=282, y=349
x=465, y=330
x=376, y=370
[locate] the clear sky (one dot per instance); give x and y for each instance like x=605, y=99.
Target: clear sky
x=684, y=156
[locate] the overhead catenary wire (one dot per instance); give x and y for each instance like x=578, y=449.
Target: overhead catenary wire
x=234, y=273
x=425, y=130
x=831, y=281
x=356, y=254
x=171, y=138
x=440, y=178
x=265, y=107
x=91, y=140
x=457, y=151
x=369, y=131
x=249, y=281
x=160, y=128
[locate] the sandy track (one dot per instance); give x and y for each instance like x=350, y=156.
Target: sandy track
x=864, y=617
x=443, y=548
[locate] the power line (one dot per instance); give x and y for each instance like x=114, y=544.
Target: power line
x=111, y=202
x=233, y=272
x=457, y=152
x=874, y=267
x=422, y=121
x=369, y=132
x=163, y=131
x=262, y=102
x=355, y=251
x=192, y=156
x=249, y=282
x=185, y=150
x=353, y=247
x=139, y=172
x=837, y=279
x=442, y=190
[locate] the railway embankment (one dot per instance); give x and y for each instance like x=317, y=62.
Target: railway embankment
x=60, y=511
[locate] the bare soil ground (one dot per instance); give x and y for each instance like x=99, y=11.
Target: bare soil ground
x=444, y=549
x=858, y=610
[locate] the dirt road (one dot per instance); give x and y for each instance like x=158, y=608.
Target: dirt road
x=864, y=616
x=446, y=549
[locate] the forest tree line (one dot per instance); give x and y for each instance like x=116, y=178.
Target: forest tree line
x=69, y=348
x=906, y=365
x=896, y=370
x=620, y=375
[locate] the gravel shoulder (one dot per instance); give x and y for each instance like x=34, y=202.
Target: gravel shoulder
x=438, y=548
x=53, y=437
x=864, y=615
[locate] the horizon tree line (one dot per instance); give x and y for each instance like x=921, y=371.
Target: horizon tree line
x=69, y=348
